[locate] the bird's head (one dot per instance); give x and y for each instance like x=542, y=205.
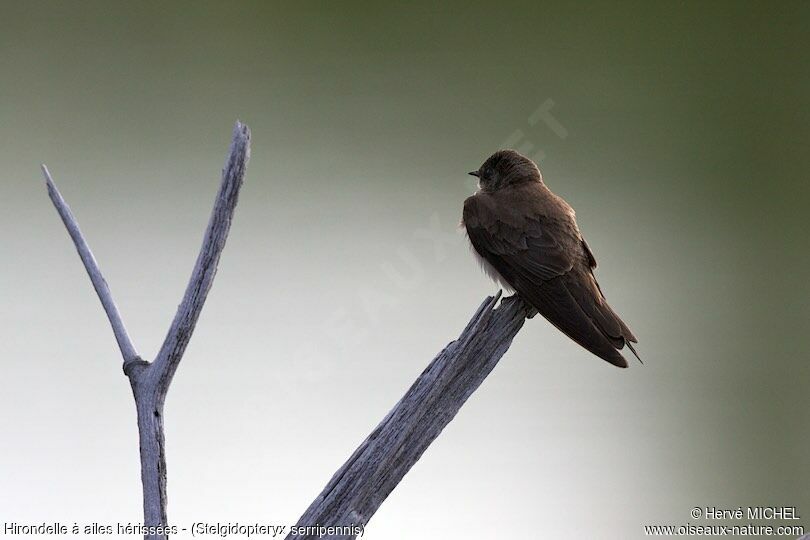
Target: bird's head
x=506, y=168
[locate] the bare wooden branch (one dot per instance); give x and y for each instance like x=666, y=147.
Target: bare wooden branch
x=150, y=385
x=99, y=283
x=150, y=381
x=205, y=268
x=361, y=485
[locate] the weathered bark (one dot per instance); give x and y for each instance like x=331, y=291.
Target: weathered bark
x=150, y=381
x=361, y=485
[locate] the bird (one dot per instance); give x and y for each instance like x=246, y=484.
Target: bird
x=526, y=238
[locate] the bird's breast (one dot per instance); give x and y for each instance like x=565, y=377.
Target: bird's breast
x=490, y=270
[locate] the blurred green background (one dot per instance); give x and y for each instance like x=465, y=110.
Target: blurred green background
x=680, y=135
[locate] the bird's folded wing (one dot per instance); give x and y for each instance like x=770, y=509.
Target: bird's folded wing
x=533, y=238
x=533, y=252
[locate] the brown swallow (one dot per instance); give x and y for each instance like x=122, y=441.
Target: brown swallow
x=527, y=238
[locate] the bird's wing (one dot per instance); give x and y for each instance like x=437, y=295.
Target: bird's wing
x=541, y=257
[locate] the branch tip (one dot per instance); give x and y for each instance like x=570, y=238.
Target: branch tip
x=91, y=266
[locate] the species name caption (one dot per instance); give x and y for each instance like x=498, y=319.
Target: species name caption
x=197, y=529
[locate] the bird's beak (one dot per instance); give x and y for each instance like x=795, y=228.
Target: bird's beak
x=474, y=173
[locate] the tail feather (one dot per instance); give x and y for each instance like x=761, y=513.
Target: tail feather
x=574, y=304
x=588, y=295
x=555, y=302
x=630, y=346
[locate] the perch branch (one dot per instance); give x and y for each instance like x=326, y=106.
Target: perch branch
x=99, y=283
x=361, y=485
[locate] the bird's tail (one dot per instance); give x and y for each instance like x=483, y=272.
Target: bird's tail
x=633, y=349
x=574, y=304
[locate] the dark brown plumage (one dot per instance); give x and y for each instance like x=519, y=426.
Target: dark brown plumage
x=527, y=238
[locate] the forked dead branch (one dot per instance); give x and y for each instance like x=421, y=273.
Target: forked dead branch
x=150, y=380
